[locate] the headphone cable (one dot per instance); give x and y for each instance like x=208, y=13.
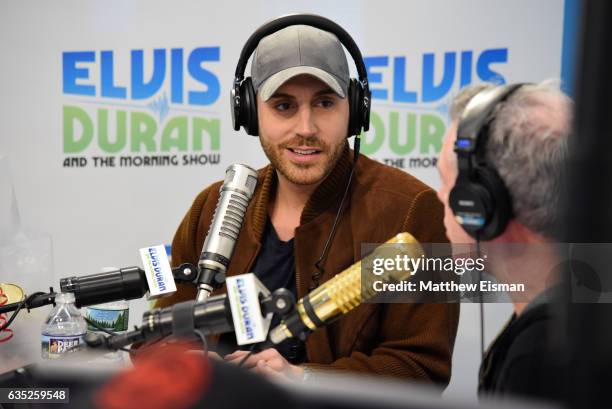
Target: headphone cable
x=319, y=273
x=481, y=302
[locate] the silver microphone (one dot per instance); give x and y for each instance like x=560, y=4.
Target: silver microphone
x=236, y=193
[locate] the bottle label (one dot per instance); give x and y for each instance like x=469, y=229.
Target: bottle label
x=54, y=346
x=114, y=320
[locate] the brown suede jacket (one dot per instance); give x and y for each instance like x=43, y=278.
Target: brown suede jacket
x=401, y=340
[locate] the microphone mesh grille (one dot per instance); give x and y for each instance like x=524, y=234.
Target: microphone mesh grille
x=251, y=182
x=229, y=176
x=236, y=209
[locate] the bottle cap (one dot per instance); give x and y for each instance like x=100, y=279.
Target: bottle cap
x=65, y=298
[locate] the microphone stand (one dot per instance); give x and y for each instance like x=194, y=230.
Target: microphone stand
x=153, y=328
x=182, y=274
x=35, y=300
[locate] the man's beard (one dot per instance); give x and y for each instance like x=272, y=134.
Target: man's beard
x=304, y=174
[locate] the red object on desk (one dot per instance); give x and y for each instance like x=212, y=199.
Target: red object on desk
x=5, y=334
x=165, y=376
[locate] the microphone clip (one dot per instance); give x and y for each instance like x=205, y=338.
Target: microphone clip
x=280, y=301
x=185, y=273
x=210, y=278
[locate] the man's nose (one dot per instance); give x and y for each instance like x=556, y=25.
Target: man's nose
x=306, y=122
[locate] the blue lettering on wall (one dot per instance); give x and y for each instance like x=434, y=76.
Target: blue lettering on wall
x=71, y=73
x=432, y=92
x=109, y=89
x=399, y=82
x=140, y=88
x=177, y=76
x=466, y=69
x=197, y=57
x=170, y=66
x=376, y=77
x=488, y=57
x=456, y=67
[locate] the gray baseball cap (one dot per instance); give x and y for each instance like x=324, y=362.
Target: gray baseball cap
x=298, y=50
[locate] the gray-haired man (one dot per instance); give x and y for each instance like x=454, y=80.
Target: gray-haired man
x=527, y=147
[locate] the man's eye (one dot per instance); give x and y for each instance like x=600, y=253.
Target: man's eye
x=326, y=103
x=283, y=106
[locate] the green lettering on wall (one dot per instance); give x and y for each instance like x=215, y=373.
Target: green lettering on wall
x=212, y=127
x=174, y=135
x=120, y=134
x=432, y=133
x=394, y=139
x=376, y=125
x=72, y=143
x=143, y=129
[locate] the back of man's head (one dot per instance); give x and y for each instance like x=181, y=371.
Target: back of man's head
x=527, y=146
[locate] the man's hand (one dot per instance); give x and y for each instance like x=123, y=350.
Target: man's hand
x=268, y=362
x=214, y=355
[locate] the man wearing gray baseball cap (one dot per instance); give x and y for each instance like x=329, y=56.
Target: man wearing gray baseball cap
x=315, y=204
x=310, y=62
x=299, y=50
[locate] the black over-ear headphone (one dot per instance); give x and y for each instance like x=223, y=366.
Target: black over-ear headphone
x=243, y=100
x=479, y=200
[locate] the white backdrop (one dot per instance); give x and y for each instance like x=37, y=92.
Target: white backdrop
x=71, y=71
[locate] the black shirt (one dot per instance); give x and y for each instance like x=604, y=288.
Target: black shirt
x=275, y=268
x=528, y=359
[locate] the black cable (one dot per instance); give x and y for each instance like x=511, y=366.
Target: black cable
x=481, y=301
x=96, y=326
x=202, y=338
x=109, y=332
x=129, y=351
x=23, y=303
x=319, y=273
x=243, y=360
x=13, y=316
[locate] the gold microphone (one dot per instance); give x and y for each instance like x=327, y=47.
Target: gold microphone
x=344, y=291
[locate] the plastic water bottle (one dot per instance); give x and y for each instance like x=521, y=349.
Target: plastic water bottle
x=64, y=328
x=111, y=316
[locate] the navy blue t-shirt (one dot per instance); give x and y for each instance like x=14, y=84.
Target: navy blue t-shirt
x=275, y=268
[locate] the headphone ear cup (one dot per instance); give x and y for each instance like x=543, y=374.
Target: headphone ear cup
x=235, y=100
x=248, y=108
x=483, y=206
x=501, y=203
x=354, y=96
x=365, y=102
x=470, y=203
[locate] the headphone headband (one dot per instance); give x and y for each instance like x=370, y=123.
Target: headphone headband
x=476, y=117
x=312, y=20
